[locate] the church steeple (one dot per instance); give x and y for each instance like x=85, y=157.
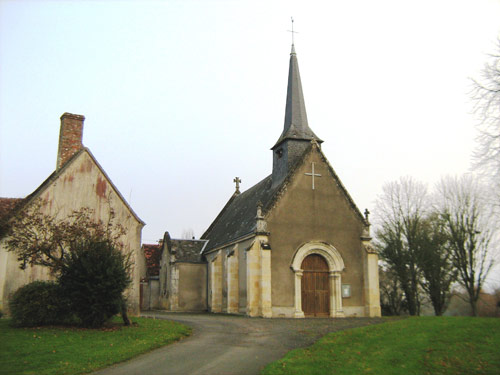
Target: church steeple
x=296, y=125
x=297, y=134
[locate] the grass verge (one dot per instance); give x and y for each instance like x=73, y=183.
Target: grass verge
x=65, y=350
x=421, y=345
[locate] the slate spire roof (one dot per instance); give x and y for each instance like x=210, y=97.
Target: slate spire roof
x=296, y=126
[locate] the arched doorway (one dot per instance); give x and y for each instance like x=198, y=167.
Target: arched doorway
x=325, y=253
x=315, y=286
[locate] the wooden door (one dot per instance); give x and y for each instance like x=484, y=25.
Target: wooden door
x=315, y=286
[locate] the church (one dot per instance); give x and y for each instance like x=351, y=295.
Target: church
x=293, y=245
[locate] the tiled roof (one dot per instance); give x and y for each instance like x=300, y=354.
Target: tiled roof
x=7, y=208
x=152, y=253
x=187, y=250
x=7, y=205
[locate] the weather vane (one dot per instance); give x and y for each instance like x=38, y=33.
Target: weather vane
x=293, y=32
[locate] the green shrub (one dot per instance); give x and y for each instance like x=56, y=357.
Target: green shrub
x=1, y=313
x=38, y=303
x=94, y=278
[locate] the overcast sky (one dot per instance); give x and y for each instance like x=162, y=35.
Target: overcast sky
x=182, y=96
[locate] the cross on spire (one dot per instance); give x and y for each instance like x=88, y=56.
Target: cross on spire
x=293, y=32
x=312, y=174
x=237, y=181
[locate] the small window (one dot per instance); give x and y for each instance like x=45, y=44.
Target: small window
x=279, y=152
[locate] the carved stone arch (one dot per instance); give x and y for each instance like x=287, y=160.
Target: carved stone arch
x=335, y=267
x=327, y=251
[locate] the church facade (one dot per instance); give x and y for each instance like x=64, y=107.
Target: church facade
x=293, y=245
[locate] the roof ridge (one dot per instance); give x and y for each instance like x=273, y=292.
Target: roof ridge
x=300, y=161
x=209, y=229
x=188, y=239
x=343, y=188
x=281, y=186
x=235, y=196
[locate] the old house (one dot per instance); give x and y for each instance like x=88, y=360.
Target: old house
x=78, y=181
x=293, y=245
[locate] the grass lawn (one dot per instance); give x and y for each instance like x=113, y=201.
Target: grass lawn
x=421, y=345
x=64, y=350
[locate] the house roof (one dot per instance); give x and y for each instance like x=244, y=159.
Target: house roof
x=188, y=251
x=152, y=253
x=53, y=177
x=7, y=205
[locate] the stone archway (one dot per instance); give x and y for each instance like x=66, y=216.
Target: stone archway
x=335, y=267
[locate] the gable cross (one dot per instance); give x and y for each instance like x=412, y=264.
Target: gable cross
x=312, y=174
x=366, y=214
x=237, y=181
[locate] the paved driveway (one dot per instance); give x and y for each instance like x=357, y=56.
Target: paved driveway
x=226, y=344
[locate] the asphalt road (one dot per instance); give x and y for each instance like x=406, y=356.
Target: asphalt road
x=226, y=344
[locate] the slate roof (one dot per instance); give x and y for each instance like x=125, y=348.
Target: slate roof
x=187, y=250
x=152, y=253
x=296, y=125
x=237, y=218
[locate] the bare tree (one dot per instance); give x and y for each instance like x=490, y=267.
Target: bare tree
x=486, y=96
x=470, y=227
x=401, y=210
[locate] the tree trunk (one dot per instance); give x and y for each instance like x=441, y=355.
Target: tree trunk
x=126, y=320
x=438, y=310
x=473, y=305
x=410, y=299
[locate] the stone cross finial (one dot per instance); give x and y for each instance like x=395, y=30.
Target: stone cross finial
x=366, y=214
x=237, y=181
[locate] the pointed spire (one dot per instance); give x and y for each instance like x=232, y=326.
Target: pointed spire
x=296, y=125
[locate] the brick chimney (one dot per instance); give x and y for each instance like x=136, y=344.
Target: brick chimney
x=70, y=137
